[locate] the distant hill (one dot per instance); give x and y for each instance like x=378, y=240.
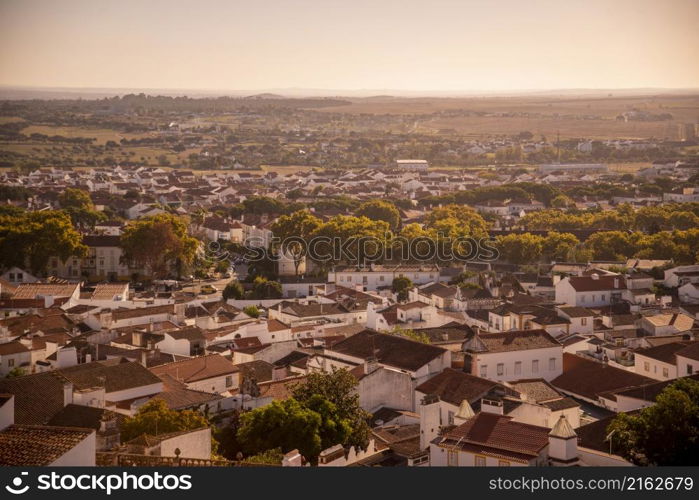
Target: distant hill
x=265, y=95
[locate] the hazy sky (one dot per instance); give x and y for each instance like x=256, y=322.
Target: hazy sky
x=350, y=44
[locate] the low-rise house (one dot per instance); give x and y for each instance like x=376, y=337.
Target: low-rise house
x=581, y=319
x=681, y=275
x=488, y=439
x=666, y=323
x=210, y=373
x=375, y=277
x=65, y=294
x=391, y=351
x=453, y=387
x=104, y=422
x=14, y=356
x=635, y=398
x=590, y=291
x=44, y=446
x=661, y=362
x=585, y=379
x=513, y=355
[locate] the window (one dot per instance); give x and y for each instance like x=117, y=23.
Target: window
x=552, y=364
x=484, y=370
x=421, y=460
x=518, y=367
x=503, y=463
x=690, y=369
x=594, y=298
x=480, y=461
x=665, y=373
x=381, y=278
x=501, y=369
x=450, y=418
x=646, y=366
x=535, y=366
x=10, y=362
x=349, y=279
x=583, y=321
x=582, y=299
x=452, y=458
x=229, y=381
x=604, y=297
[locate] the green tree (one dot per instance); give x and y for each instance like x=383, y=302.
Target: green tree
x=559, y=246
x=338, y=387
x=294, y=231
x=233, y=290
x=562, y=201
x=456, y=221
x=610, y=245
x=401, y=286
x=523, y=248
x=666, y=433
x=285, y=424
x=155, y=418
x=381, y=211
x=32, y=238
x=17, y=371
x=252, y=311
x=75, y=198
x=267, y=457
x=266, y=289
x=158, y=243
x=411, y=334
x=360, y=238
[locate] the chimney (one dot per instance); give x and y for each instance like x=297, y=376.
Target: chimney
x=144, y=358
x=137, y=338
x=430, y=419
x=616, y=282
x=371, y=364
x=67, y=393
x=594, y=276
x=279, y=372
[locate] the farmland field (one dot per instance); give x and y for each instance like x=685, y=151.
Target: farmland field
x=101, y=136
x=590, y=117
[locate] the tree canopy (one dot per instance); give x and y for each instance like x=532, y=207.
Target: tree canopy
x=32, y=238
x=380, y=210
x=159, y=243
x=155, y=418
x=338, y=387
x=666, y=433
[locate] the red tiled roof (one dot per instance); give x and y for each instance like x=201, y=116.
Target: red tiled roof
x=501, y=434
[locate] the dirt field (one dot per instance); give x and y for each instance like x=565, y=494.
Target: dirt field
x=101, y=135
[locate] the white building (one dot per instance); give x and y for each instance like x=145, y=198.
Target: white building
x=374, y=277
x=420, y=165
x=514, y=355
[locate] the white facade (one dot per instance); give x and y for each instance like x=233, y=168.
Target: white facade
x=653, y=368
x=546, y=363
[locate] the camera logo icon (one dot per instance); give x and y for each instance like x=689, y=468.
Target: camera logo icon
x=16, y=487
